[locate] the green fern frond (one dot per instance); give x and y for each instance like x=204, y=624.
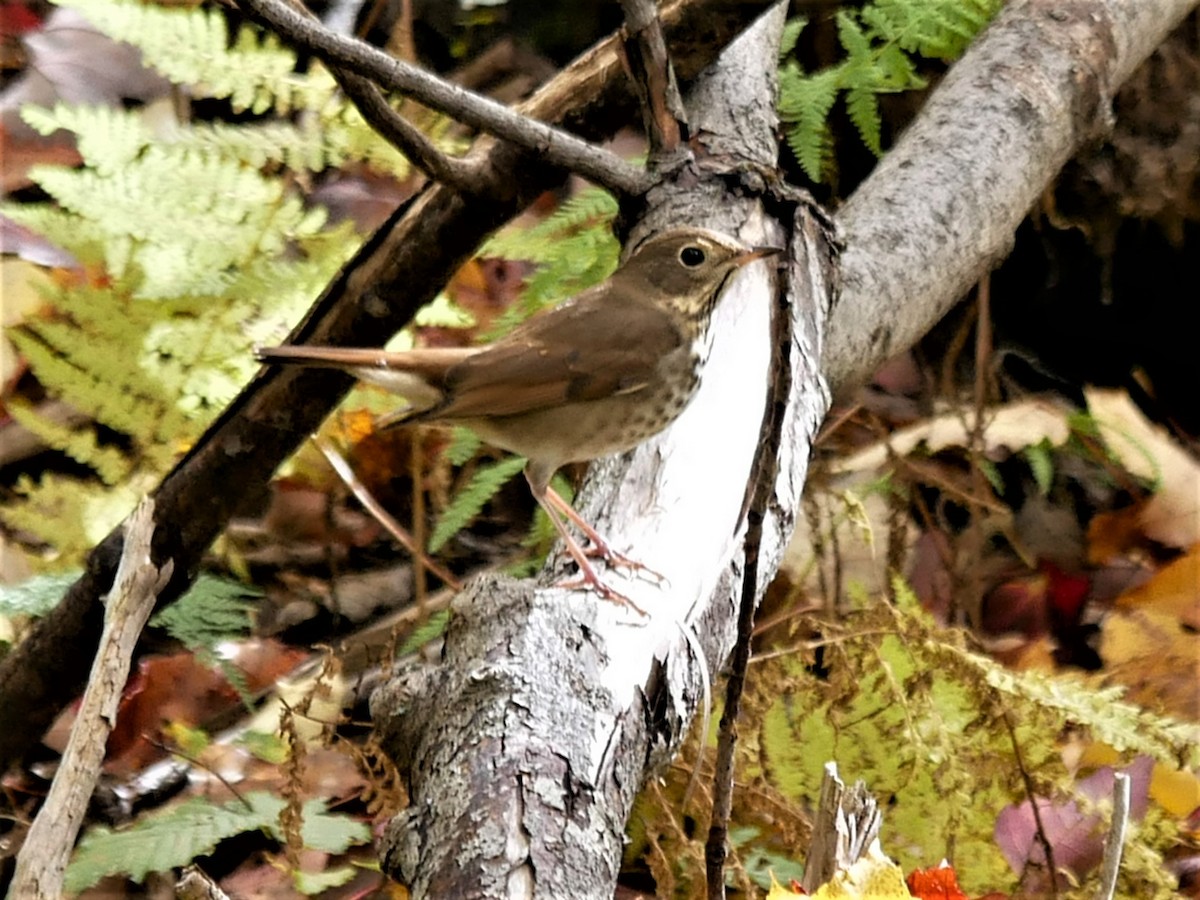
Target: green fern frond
x=107, y=137
x=71, y=515
x=176, y=836
x=191, y=46
x=108, y=389
x=463, y=447
x=804, y=103
x=467, y=504
x=852, y=37
x=195, y=242
x=862, y=106
x=574, y=248
x=791, y=34
x=880, y=40
x=214, y=610
x=904, y=704
x=81, y=444
x=35, y=596
x=180, y=240
x=1040, y=458
x=589, y=209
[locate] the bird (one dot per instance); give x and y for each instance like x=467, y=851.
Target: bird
x=596, y=375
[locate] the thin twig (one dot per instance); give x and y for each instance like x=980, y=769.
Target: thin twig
x=1115, y=843
x=394, y=528
x=1043, y=839
x=197, y=763
x=554, y=146
x=463, y=175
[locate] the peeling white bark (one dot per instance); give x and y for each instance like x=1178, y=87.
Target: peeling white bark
x=526, y=747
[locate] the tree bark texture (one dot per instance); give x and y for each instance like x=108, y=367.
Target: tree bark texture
x=525, y=749
x=968, y=162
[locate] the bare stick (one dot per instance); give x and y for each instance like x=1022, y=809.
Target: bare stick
x=1115, y=843
x=557, y=147
x=195, y=885
x=846, y=824
x=460, y=174
x=394, y=528
x=43, y=858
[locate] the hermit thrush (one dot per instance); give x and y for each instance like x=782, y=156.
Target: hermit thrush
x=596, y=375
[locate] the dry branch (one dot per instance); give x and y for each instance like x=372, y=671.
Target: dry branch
x=547, y=144
x=43, y=858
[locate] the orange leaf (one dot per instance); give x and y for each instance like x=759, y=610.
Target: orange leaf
x=940, y=883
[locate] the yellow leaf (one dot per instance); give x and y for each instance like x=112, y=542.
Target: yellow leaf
x=779, y=892
x=873, y=877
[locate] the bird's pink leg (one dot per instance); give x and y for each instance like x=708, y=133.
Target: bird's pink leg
x=600, y=545
x=587, y=573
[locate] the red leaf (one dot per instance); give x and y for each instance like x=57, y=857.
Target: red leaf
x=939, y=883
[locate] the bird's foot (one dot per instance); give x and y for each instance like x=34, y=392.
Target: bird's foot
x=595, y=584
x=601, y=550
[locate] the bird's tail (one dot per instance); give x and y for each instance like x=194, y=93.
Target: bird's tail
x=416, y=375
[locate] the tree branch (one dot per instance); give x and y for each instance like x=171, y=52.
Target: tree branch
x=548, y=144
x=47, y=847
x=550, y=708
x=463, y=175
x=941, y=208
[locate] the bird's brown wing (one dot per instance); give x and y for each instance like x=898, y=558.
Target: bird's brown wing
x=585, y=350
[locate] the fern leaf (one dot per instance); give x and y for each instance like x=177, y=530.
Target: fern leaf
x=109, y=400
x=880, y=39
x=108, y=137
x=540, y=243
x=191, y=46
x=35, y=596
x=172, y=838
x=574, y=249
x=175, y=239
x=791, y=34
x=895, y=70
x=863, y=108
x=804, y=103
x=69, y=514
x=80, y=444
x=1041, y=464
x=471, y=499
x=853, y=39
x=214, y=610
x=463, y=447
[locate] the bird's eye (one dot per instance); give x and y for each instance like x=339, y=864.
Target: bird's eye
x=691, y=256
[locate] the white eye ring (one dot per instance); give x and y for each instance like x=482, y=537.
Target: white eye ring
x=692, y=256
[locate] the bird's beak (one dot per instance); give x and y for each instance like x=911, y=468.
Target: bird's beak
x=756, y=253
